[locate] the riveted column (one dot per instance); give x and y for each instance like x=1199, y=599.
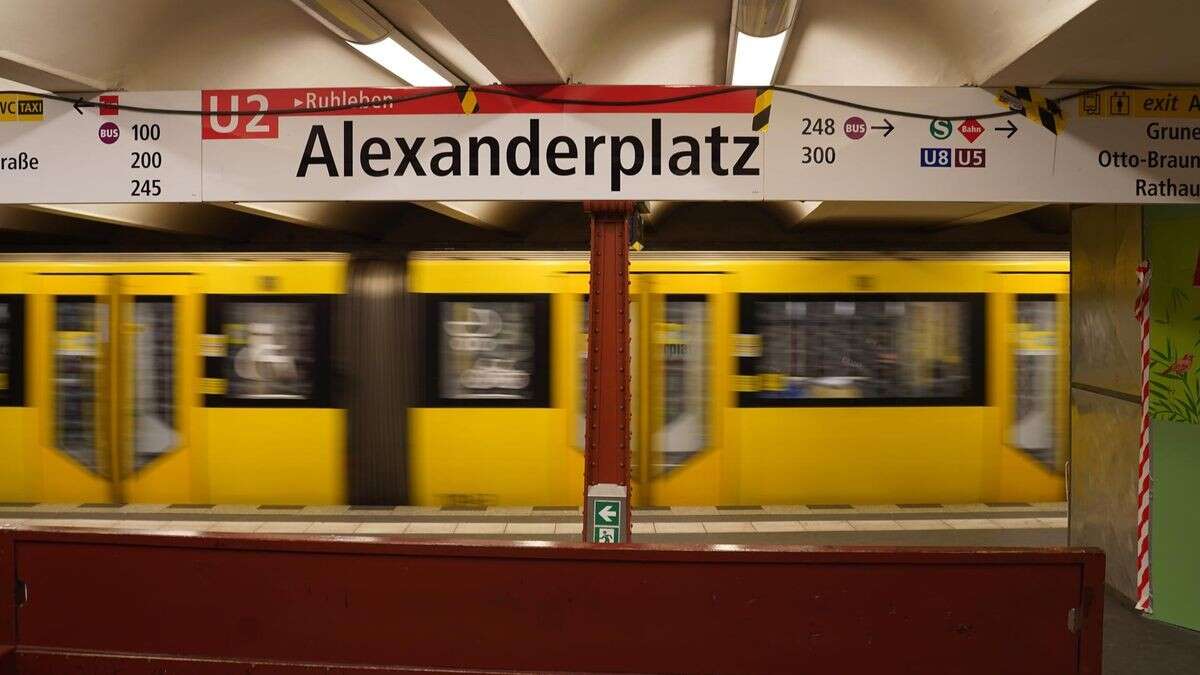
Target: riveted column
x=607, y=458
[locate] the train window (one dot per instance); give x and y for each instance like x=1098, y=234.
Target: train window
x=861, y=349
x=276, y=351
x=152, y=362
x=489, y=350
x=679, y=384
x=12, y=350
x=682, y=341
x=1034, y=427
x=80, y=342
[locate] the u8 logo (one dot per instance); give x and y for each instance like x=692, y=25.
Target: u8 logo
x=935, y=157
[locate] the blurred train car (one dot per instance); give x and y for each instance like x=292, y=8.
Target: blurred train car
x=456, y=378
x=170, y=379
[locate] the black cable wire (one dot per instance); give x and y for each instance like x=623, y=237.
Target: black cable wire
x=79, y=102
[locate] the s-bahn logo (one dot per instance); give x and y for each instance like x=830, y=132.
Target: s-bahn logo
x=940, y=129
x=970, y=129
x=20, y=108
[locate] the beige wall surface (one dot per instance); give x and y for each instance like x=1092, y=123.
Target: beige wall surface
x=1106, y=246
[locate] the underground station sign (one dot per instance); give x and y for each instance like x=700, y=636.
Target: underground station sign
x=1110, y=145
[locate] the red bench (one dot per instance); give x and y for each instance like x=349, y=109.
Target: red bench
x=83, y=602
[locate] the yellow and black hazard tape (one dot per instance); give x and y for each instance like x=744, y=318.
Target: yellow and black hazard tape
x=1036, y=107
x=468, y=101
x=762, y=109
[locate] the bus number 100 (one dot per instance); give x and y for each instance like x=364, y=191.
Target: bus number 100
x=146, y=132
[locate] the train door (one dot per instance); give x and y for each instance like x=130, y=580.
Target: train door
x=116, y=426
x=1034, y=399
x=675, y=415
x=675, y=408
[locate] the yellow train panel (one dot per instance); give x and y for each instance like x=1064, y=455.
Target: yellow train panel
x=283, y=457
x=860, y=455
x=1024, y=480
x=491, y=456
x=15, y=478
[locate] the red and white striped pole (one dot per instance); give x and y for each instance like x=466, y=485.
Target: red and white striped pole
x=1142, y=312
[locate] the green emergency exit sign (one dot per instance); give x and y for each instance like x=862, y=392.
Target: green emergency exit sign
x=606, y=521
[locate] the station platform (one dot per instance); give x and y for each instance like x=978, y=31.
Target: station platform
x=1127, y=634
x=1037, y=524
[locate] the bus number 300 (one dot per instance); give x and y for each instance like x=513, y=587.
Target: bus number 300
x=817, y=155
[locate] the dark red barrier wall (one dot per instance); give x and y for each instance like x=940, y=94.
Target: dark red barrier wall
x=212, y=603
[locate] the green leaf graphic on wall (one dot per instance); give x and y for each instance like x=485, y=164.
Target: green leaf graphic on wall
x=1175, y=310
x=1174, y=386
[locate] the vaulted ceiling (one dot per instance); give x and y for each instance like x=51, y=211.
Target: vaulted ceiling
x=87, y=45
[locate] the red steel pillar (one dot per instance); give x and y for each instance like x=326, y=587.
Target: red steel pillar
x=607, y=458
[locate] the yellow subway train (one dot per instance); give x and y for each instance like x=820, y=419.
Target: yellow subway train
x=455, y=378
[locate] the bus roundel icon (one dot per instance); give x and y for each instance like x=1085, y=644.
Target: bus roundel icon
x=855, y=128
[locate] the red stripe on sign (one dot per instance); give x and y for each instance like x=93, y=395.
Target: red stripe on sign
x=578, y=98
x=350, y=101
x=1196, y=275
x=662, y=99
x=581, y=98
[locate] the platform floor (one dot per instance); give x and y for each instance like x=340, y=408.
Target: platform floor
x=966, y=524
x=1133, y=645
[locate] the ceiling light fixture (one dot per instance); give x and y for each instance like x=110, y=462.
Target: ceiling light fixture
x=402, y=62
x=369, y=32
x=758, y=33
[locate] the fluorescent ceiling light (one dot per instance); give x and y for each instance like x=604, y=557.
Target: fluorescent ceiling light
x=755, y=59
x=403, y=63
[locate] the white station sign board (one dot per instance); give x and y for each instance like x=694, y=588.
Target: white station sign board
x=1112, y=146
x=51, y=152
x=590, y=142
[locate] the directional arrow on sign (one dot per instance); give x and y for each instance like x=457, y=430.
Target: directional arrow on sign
x=607, y=514
x=296, y=102
x=886, y=125
x=79, y=102
x=1011, y=128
